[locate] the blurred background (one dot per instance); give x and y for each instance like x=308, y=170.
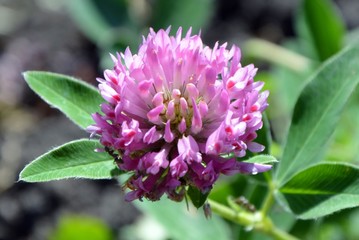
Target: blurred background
x=75, y=38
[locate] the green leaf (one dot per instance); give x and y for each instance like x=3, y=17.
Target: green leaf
x=171, y=13
x=90, y=17
x=264, y=136
x=262, y=159
x=325, y=26
x=183, y=223
x=322, y=189
x=76, y=159
x=75, y=98
x=229, y=187
x=114, y=12
x=196, y=196
x=317, y=112
x=344, y=146
x=304, y=36
x=81, y=228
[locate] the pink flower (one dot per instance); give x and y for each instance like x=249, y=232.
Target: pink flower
x=175, y=110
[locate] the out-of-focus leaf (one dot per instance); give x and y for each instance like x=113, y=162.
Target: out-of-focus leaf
x=185, y=13
x=304, y=36
x=74, y=227
x=345, y=144
x=104, y=24
x=322, y=189
x=111, y=26
x=75, y=98
x=142, y=228
x=182, y=223
x=317, y=112
x=352, y=37
x=284, y=83
x=288, y=85
x=228, y=186
x=114, y=12
x=90, y=21
x=326, y=27
x=76, y=159
x=264, y=135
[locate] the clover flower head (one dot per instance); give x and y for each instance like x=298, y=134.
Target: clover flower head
x=175, y=111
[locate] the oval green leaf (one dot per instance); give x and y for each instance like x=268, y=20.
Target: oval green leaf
x=76, y=159
x=317, y=112
x=322, y=189
x=262, y=159
x=75, y=98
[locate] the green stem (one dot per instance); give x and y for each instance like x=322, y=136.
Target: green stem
x=271, y=52
x=257, y=221
x=269, y=200
x=242, y=218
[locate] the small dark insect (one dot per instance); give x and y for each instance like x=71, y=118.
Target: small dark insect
x=243, y=202
x=207, y=210
x=112, y=153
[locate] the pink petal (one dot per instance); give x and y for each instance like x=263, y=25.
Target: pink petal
x=196, y=119
x=152, y=136
x=169, y=136
x=154, y=114
x=255, y=147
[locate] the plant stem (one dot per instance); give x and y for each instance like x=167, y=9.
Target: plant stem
x=279, y=234
x=269, y=200
x=271, y=52
x=257, y=221
x=242, y=218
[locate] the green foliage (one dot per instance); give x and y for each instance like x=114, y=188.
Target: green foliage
x=317, y=112
x=228, y=186
x=262, y=159
x=75, y=98
x=75, y=159
x=344, y=145
x=183, y=223
x=116, y=25
x=264, y=136
x=101, y=23
x=325, y=26
x=114, y=12
x=196, y=196
x=90, y=21
x=171, y=13
x=75, y=227
x=322, y=189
